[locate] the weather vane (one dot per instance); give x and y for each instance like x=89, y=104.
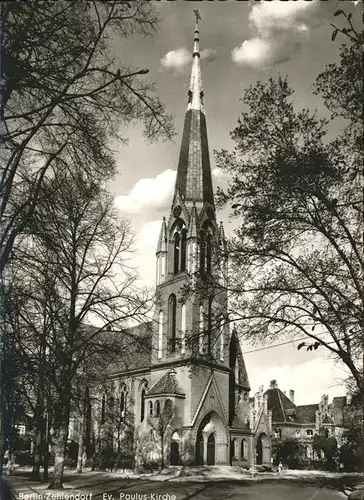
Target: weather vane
x=197, y=14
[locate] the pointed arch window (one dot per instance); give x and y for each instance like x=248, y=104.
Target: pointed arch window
x=209, y=325
x=183, y=328
x=208, y=253
x=150, y=407
x=160, y=335
x=172, y=309
x=142, y=401
x=202, y=251
x=201, y=329
x=183, y=249
x=157, y=408
x=123, y=403
x=176, y=252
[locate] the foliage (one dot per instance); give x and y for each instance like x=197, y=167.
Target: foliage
x=297, y=196
x=329, y=446
x=352, y=450
x=290, y=452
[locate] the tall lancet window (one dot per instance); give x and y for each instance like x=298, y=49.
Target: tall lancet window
x=172, y=307
x=209, y=326
x=202, y=251
x=201, y=330
x=208, y=252
x=222, y=340
x=183, y=328
x=176, y=252
x=142, y=404
x=183, y=249
x=160, y=335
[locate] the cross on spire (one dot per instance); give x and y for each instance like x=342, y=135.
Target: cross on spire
x=197, y=14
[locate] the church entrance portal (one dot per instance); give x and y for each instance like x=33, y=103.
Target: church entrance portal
x=211, y=441
x=211, y=450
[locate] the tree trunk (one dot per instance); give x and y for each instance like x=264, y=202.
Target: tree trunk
x=61, y=422
x=46, y=450
x=80, y=444
x=35, y=474
x=60, y=440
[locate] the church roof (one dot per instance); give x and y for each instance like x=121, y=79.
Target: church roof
x=194, y=181
x=135, y=345
x=167, y=384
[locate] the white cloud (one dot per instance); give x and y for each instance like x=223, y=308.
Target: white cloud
x=176, y=59
x=280, y=29
x=149, y=193
x=180, y=58
x=218, y=173
x=146, y=241
x=208, y=54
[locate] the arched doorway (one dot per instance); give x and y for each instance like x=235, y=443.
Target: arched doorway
x=211, y=449
x=211, y=441
x=174, y=453
x=259, y=451
x=199, y=449
x=263, y=450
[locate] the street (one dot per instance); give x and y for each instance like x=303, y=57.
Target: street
x=95, y=486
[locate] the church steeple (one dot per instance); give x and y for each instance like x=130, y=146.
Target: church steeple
x=194, y=182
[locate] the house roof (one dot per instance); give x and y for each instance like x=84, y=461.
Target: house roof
x=279, y=404
x=168, y=384
x=339, y=401
x=306, y=414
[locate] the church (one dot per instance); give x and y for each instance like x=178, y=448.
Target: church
x=182, y=392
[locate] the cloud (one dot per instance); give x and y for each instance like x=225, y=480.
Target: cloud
x=148, y=193
x=280, y=30
x=218, y=173
x=176, y=59
x=208, y=54
x=146, y=241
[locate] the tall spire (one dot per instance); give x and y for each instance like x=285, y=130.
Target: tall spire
x=195, y=93
x=194, y=181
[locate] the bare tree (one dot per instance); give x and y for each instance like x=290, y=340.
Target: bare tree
x=66, y=93
x=75, y=233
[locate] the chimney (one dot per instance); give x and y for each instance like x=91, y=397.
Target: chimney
x=291, y=395
x=273, y=384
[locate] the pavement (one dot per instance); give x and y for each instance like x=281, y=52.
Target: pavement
x=185, y=483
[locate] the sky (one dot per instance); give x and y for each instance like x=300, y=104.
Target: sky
x=241, y=42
